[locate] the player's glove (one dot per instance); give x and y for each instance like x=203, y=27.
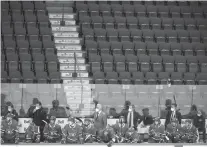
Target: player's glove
x=63, y=141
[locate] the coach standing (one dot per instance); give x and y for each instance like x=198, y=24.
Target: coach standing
x=100, y=118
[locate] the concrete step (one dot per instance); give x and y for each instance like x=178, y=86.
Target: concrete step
x=80, y=74
x=53, y=9
x=65, y=28
x=59, y=3
x=71, y=60
x=56, y=22
x=67, y=40
x=76, y=81
x=61, y=16
x=68, y=47
x=70, y=53
x=71, y=67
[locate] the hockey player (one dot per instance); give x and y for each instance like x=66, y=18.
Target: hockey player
x=157, y=132
x=32, y=134
x=89, y=131
x=72, y=133
x=120, y=130
x=9, y=130
x=190, y=132
x=174, y=131
x=107, y=135
x=132, y=136
x=52, y=132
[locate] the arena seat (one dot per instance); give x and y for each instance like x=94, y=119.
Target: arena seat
x=26, y=36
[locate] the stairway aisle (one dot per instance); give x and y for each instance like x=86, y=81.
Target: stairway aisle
x=69, y=47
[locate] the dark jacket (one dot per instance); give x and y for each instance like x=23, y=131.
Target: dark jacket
x=14, y=113
x=58, y=112
x=30, y=111
x=147, y=120
x=124, y=113
x=168, y=117
x=199, y=121
x=38, y=117
x=100, y=122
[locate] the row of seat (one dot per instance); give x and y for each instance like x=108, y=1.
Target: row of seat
x=11, y=66
x=149, y=78
x=25, y=44
x=27, y=16
x=30, y=77
x=145, y=48
x=29, y=57
x=25, y=5
x=158, y=3
x=142, y=22
x=145, y=35
x=141, y=10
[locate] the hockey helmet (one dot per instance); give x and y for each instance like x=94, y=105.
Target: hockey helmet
x=72, y=119
x=52, y=118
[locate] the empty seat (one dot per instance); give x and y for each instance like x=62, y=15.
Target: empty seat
x=9, y=44
x=187, y=49
x=22, y=44
x=163, y=11
x=180, y=62
x=15, y=5
x=140, y=10
x=195, y=36
x=105, y=10
x=107, y=61
x=204, y=36
x=171, y=36
x=156, y=62
x=108, y=22
x=13, y=66
x=148, y=35
x=112, y=34
x=28, y=76
x=155, y=23
x=151, y=78
x=4, y=76
x=132, y=22
x=202, y=24
x=12, y=57
x=88, y=34
x=152, y=48
x=138, y=78
x=91, y=46
x=179, y=23
x=190, y=23
x=112, y=77
x=82, y=9
x=160, y=36
x=117, y=10
x=38, y=57
x=192, y=64
x=124, y=34
x=144, y=61
x=163, y=77
x=175, y=12
x=152, y=11
x=197, y=12
x=17, y=16
x=97, y=21
x=125, y=77
x=41, y=77
x=27, y=5
x=5, y=17
x=201, y=78
x=128, y=10
x=30, y=16
x=176, y=48
x=199, y=48
x=140, y=48
x=116, y=47
x=26, y=66
x=104, y=47
x=120, y=22
x=15, y=77
x=186, y=12
x=168, y=62
x=39, y=66
x=99, y=77
x=131, y=61
x=93, y=9
x=39, y=5
x=189, y=78
x=183, y=36
x=50, y=57
x=55, y=77
x=144, y=22
x=128, y=48
x=119, y=63
x=136, y=35
x=167, y=23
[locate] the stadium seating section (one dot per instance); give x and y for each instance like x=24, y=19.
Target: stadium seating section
x=28, y=52
x=145, y=42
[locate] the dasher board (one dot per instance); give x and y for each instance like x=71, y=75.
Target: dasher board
x=66, y=34
x=77, y=93
x=80, y=75
x=84, y=87
x=61, y=54
x=63, y=47
x=76, y=101
x=67, y=22
x=64, y=28
x=72, y=67
x=60, y=15
x=71, y=60
x=68, y=40
x=76, y=81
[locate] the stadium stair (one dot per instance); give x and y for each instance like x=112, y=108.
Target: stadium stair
x=77, y=87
